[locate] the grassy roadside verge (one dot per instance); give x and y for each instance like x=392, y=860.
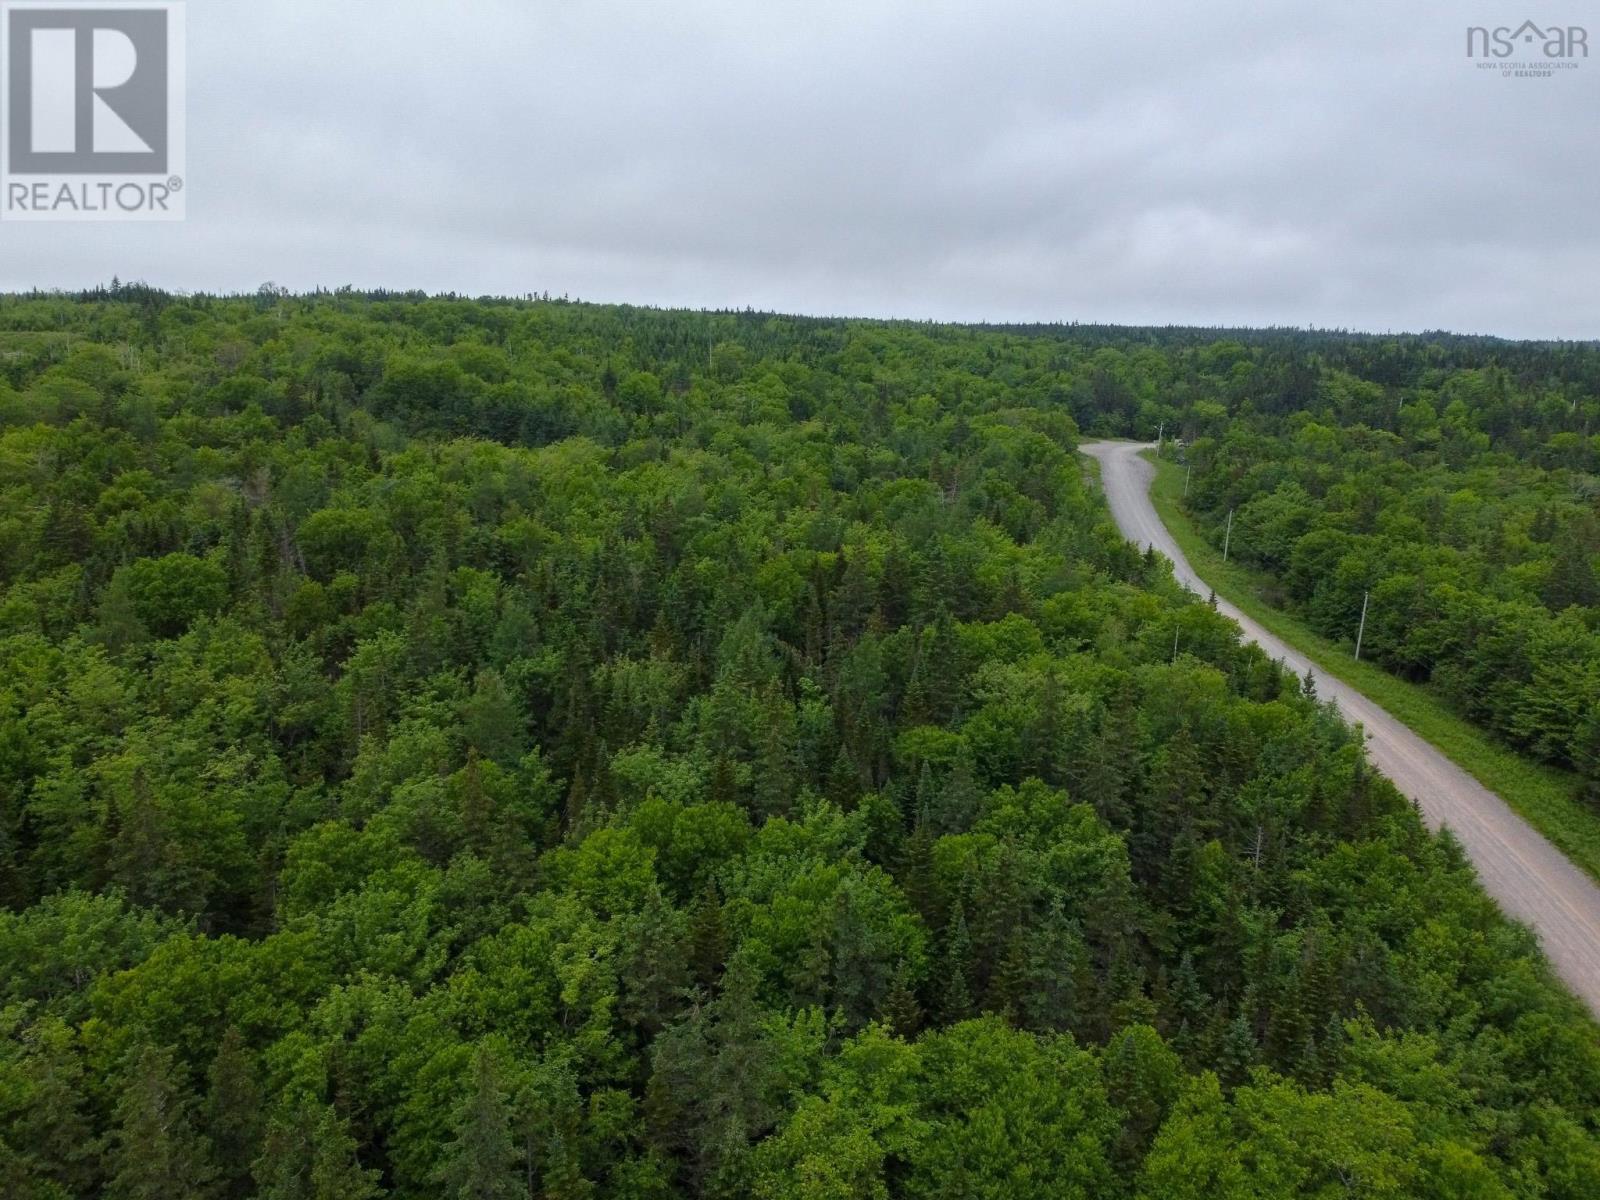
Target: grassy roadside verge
x=1543, y=795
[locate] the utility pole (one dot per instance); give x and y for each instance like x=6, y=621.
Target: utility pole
x=1362, y=632
x=1227, y=540
x=1161, y=438
x=1187, y=475
x=1175, y=643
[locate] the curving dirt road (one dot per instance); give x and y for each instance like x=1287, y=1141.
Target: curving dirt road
x=1532, y=881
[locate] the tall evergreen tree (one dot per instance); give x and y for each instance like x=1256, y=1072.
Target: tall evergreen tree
x=481, y=1161
x=156, y=1151
x=309, y=1154
x=233, y=1119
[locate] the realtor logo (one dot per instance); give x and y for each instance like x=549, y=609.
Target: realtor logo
x=93, y=123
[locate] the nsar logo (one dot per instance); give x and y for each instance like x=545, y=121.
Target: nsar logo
x=1527, y=51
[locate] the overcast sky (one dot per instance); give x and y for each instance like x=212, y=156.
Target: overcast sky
x=1213, y=163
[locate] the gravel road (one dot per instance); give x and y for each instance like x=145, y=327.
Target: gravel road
x=1532, y=881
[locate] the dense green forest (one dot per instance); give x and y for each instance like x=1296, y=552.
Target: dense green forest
x=1466, y=500
x=493, y=749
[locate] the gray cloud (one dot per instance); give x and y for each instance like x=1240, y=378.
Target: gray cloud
x=1227, y=163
